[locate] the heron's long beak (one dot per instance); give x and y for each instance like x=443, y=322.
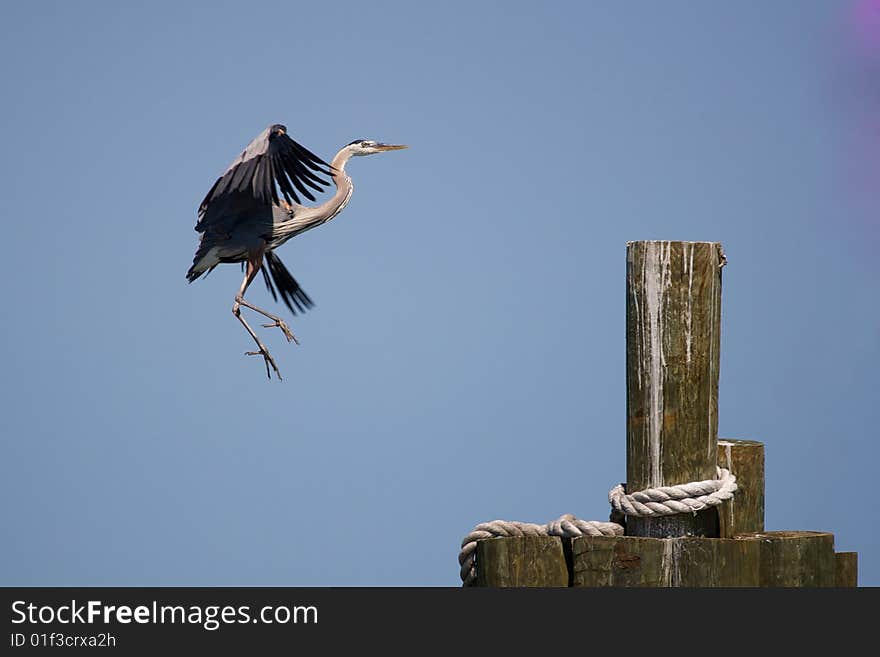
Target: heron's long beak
x=391, y=147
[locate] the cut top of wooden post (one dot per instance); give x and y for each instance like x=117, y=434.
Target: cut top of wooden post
x=673, y=337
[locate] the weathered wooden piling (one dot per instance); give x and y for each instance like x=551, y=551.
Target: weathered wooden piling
x=635, y=561
x=620, y=561
x=522, y=561
x=795, y=558
x=846, y=569
x=673, y=320
x=673, y=332
x=715, y=562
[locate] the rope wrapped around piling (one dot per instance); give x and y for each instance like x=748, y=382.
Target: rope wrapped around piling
x=669, y=500
x=566, y=525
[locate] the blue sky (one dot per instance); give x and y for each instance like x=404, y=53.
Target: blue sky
x=465, y=360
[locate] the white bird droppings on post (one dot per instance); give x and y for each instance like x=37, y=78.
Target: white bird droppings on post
x=657, y=278
x=690, y=272
x=711, y=432
x=639, y=345
x=670, y=563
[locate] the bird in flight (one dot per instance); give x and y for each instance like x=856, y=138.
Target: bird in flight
x=254, y=208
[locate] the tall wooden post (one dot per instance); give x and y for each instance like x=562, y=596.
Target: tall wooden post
x=673, y=333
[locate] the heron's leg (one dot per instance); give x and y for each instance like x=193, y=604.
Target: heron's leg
x=253, y=266
x=277, y=320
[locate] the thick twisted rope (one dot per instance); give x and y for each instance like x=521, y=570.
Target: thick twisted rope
x=662, y=501
x=668, y=500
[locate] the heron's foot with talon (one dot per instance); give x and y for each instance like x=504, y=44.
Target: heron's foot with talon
x=284, y=329
x=267, y=358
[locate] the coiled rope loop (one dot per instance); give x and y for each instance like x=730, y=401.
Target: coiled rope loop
x=668, y=500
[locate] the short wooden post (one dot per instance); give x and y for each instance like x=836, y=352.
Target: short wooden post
x=521, y=561
x=846, y=569
x=673, y=332
x=795, y=558
x=690, y=561
x=620, y=561
x=745, y=511
x=716, y=562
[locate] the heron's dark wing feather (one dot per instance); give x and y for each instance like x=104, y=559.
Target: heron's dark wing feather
x=261, y=178
x=291, y=292
x=272, y=177
x=271, y=161
x=285, y=183
x=308, y=177
x=296, y=180
x=242, y=176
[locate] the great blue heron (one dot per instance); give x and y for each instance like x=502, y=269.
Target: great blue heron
x=243, y=218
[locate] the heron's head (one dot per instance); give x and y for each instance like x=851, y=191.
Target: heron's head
x=369, y=147
x=277, y=130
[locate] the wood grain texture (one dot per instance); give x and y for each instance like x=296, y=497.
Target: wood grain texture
x=715, y=562
x=688, y=561
x=795, y=558
x=521, y=561
x=620, y=561
x=745, y=512
x=846, y=569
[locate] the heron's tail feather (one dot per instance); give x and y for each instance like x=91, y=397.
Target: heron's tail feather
x=199, y=268
x=293, y=296
x=205, y=260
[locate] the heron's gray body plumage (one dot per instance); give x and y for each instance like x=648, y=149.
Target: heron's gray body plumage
x=231, y=226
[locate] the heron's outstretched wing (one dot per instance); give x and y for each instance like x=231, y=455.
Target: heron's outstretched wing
x=270, y=162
